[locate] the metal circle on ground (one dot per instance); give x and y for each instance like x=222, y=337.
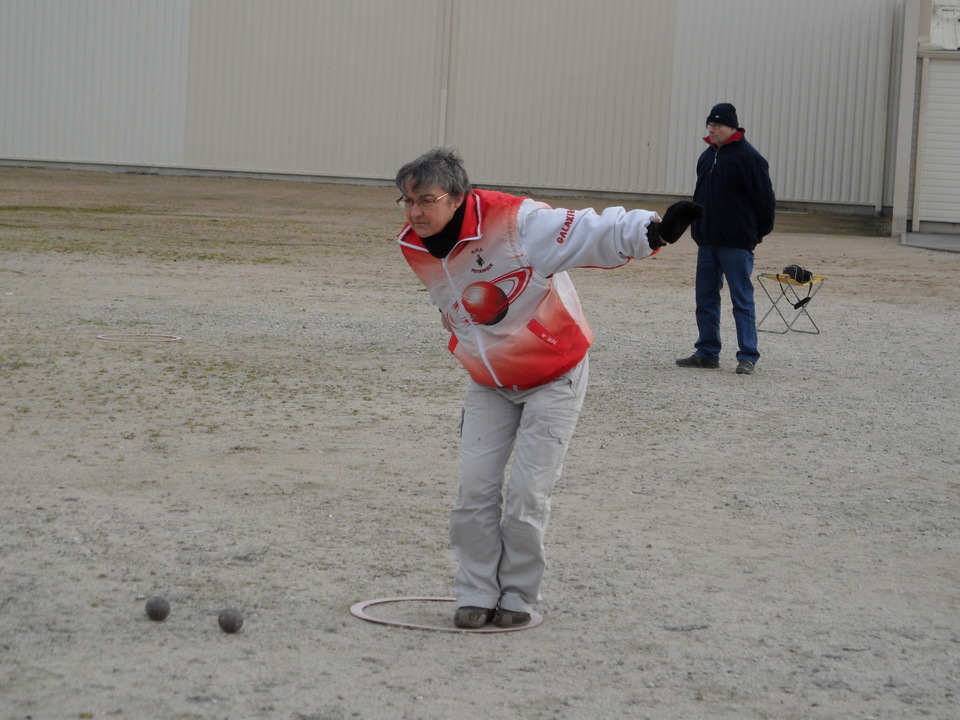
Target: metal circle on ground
x=148, y=337
x=359, y=610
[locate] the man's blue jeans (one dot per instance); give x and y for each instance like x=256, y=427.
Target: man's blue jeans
x=736, y=265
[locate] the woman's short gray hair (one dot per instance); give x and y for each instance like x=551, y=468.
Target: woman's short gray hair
x=440, y=166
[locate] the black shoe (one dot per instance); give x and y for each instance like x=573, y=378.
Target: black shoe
x=695, y=361
x=510, y=618
x=745, y=367
x=472, y=617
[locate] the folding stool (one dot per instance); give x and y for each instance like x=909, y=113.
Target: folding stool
x=786, y=295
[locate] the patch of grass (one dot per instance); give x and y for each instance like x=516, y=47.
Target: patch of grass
x=101, y=210
x=824, y=223
x=163, y=237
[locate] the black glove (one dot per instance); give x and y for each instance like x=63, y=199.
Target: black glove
x=678, y=217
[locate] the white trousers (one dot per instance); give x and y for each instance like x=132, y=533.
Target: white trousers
x=497, y=526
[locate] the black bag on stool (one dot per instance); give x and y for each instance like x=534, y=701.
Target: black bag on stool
x=798, y=274
x=802, y=276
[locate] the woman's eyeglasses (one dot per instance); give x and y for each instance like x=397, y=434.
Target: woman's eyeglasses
x=424, y=203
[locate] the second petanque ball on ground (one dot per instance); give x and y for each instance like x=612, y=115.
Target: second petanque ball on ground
x=230, y=620
x=158, y=608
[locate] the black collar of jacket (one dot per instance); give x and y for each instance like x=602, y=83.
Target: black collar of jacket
x=442, y=243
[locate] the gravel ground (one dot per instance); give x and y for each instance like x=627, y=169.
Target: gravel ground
x=783, y=545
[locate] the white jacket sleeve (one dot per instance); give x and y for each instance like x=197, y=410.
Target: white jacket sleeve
x=555, y=239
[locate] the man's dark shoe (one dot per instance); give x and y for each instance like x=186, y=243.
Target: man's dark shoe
x=472, y=617
x=745, y=367
x=695, y=361
x=510, y=618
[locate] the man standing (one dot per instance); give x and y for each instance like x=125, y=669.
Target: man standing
x=733, y=186
x=495, y=265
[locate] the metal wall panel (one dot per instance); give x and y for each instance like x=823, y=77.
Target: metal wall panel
x=562, y=93
x=554, y=94
x=347, y=89
x=938, y=166
x=99, y=81
x=810, y=81
x=897, y=12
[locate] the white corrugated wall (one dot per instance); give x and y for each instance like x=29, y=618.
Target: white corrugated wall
x=563, y=93
x=323, y=87
x=100, y=82
x=938, y=162
x=810, y=81
x=556, y=94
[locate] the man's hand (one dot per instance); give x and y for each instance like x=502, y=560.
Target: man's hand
x=676, y=220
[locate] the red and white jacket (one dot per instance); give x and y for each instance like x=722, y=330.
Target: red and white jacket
x=514, y=315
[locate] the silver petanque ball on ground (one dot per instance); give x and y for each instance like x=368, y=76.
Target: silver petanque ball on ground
x=158, y=608
x=230, y=620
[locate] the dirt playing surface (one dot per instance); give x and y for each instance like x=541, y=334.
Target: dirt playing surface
x=782, y=545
